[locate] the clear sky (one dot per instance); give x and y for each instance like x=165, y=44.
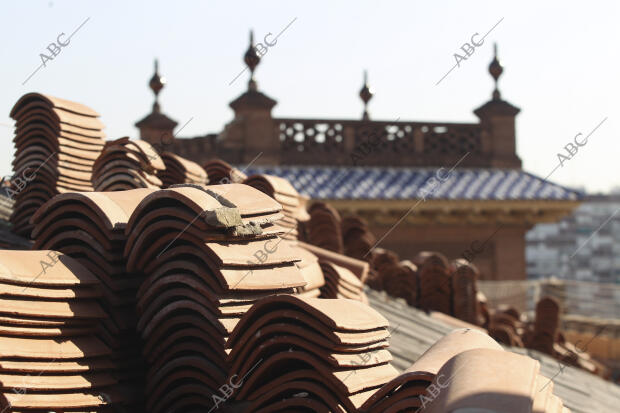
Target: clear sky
x=560, y=66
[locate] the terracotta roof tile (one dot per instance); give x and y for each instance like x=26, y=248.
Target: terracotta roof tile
x=357, y=267
x=127, y=164
x=91, y=228
x=60, y=143
x=181, y=171
x=282, y=191
x=203, y=272
x=289, y=331
x=324, y=229
x=494, y=380
x=49, y=350
x=220, y=172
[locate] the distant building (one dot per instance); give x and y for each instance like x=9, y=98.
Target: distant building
x=457, y=188
x=584, y=246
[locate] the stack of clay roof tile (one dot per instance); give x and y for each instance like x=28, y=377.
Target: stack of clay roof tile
x=308, y=354
x=344, y=276
x=180, y=171
x=435, y=282
x=546, y=324
x=57, y=142
x=127, y=164
x=90, y=227
x=464, y=292
x=430, y=283
x=220, y=172
x=293, y=205
x=310, y=270
x=358, y=240
x=208, y=253
x=50, y=359
x=324, y=229
x=467, y=371
x=400, y=279
x=340, y=283
x=381, y=259
x=506, y=326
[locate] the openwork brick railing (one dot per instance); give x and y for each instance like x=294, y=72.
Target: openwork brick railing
x=379, y=143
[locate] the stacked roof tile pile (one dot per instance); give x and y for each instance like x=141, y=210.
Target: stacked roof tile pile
x=344, y=276
x=50, y=359
x=467, y=371
x=294, y=206
x=341, y=283
x=208, y=253
x=430, y=282
x=464, y=292
x=57, y=142
x=358, y=240
x=397, y=278
x=435, y=282
x=220, y=172
x=508, y=326
x=409, y=389
x=323, y=229
x=90, y=227
x=546, y=324
x=180, y=171
x=381, y=260
x=310, y=270
x=127, y=164
x=315, y=355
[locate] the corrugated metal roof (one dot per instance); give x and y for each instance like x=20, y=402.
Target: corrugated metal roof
x=414, y=331
x=416, y=183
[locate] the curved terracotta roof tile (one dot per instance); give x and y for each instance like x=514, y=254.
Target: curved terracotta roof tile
x=50, y=383
x=220, y=172
x=357, y=267
x=60, y=140
x=43, y=268
x=282, y=191
x=127, y=163
x=337, y=314
x=464, y=291
x=493, y=380
x=48, y=349
x=426, y=368
x=45, y=402
x=181, y=171
x=54, y=102
x=303, y=386
x=112, y=209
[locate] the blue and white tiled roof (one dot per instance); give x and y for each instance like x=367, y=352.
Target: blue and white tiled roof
x=366, y=183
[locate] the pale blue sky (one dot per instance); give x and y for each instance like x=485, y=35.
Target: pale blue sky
x=560, y=59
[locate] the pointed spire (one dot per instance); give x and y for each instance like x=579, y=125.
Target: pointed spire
x=366, y=94
x=251, y=59
x=156, y=84
x=496, y=70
